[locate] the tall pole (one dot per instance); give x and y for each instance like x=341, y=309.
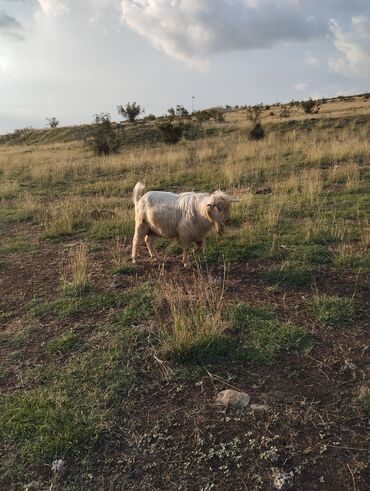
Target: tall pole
x=192, y=104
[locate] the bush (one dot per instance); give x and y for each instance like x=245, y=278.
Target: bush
x=104, y=140
x=257, y=132
x=171, y=133
x=311, y=106
x=131, y=111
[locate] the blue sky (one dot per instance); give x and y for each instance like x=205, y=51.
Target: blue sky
x=74, y=58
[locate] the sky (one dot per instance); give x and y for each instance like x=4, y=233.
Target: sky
x=72, y=59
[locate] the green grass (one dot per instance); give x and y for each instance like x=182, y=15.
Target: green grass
x=289, y=275
x=68, y=412
x=253, y=335
x=16, y=245
x=354, y=263
x=201, y=348
x=262, y=337
x=63, y=344
x=134, y=303
x=333, y=311
x=311, y=255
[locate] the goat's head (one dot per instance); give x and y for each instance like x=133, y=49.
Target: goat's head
x=218, y=207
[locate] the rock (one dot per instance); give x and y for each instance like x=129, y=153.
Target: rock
x=264, y=190
x=233, y=398
x=282, y=480
x=57, y=466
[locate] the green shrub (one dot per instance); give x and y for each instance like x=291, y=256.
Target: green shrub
x=257, y=132
x=103, y=139
x=171, y=133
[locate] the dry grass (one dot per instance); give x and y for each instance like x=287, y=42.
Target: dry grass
x=75, y=277
x=190, y=316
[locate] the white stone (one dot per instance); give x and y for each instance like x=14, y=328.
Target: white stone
x=233, y=398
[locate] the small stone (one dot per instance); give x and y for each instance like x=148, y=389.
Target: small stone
x=282, y=480
x=264, y=190
x=233, y=398
x=57, y=466
x=259, y=407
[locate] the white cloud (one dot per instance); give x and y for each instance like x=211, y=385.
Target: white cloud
x=354, y=47
x=301, y=87
x=53, y=8
x=310, y=59
x=190, y=30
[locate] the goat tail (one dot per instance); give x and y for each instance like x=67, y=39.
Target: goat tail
x=138, y=192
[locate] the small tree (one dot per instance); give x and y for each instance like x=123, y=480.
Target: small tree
x=311, y=106
x=257, y=132
x=104, y=140
x=171, y=113
x=171, y=133
x=131, y=111
x=181, y=112
x=254, y=115
x=52, y=122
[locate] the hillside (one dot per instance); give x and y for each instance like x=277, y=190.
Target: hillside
x=110, y=372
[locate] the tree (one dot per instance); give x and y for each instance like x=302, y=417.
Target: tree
x=171, y=113
x=104, y=140
x=181, y=112
x=52, y=122
x=131, y=111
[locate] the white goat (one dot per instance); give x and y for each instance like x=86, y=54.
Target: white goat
x=187, y=217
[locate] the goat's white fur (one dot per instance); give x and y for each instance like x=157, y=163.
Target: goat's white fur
x=187, y=217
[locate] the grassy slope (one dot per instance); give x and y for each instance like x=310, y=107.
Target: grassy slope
x=120, y=383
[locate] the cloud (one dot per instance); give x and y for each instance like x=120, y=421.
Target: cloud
x=191, y=30
x=310, y=59
x=354, y=47
x=53, y=8
x=10, y=27
x=300, y=87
